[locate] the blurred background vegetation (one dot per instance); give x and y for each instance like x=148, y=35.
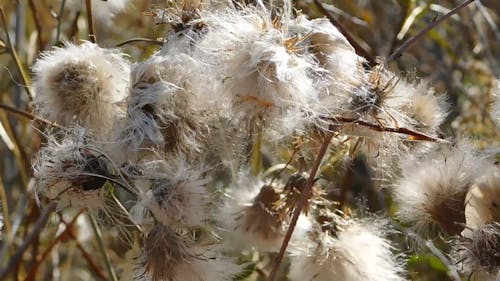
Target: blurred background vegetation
x=460, y=58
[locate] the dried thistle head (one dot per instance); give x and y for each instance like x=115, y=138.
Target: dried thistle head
x=432, y=192
x=73, y=171
x=160, y=113
x=170, y=255
x=163, y=251
x=81, y=85
x=478, y=252
x=483, y=200
x=358, y=250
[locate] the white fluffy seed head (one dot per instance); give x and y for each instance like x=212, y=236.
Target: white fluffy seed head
x=257, y=214
x=177, y=196
x=260, y=66
x=432, y=191
x=72, y=171
x=160, y=113
x=483, y=200
x=173, y=256
x=81, y=85
x=358, y=252
x=477, y=254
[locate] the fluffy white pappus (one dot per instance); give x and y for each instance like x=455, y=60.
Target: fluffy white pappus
x=102, y=11
x=171, y=256
x=159, y=112
x=477, y=253
x=431, y=192
x=256, y=215
x=178, y=197
x=72, y=171
x=263, y=69
x=357, y=252
x=483, y=200
x=330, y=47
x=81, y=85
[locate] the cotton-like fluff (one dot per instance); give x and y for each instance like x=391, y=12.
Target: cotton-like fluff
x=103, y=11
x=356, y=251
x=81, y=85
x=477, y=253
x=179, y=196
x=173, y=256
x=260, y=67
x=73, y=171
x=431, y=192
x=483, y=200
x=257, y=214
x=159, y=110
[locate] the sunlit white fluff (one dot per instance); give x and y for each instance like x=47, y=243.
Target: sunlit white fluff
x=432, y=191
x=159, y=111
x=358, y=251
x=256, y=215
x=81, y=84
x=261, y=68
x=173, y=256
x=176, y=195
x=483, y=200
x=72, y=171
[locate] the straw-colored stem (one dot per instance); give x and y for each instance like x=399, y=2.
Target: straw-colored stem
x=102, y=248
x=15, y=56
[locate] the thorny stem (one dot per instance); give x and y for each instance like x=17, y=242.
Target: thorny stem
x=146, y=40
x=39, y=224
x=359, y=49
x=417, y=136
x=399, y=52
x=15, y=56
x=303, y=200
x=90, y=22
x=102, y=248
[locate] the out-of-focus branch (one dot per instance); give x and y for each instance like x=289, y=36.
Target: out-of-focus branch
x=90, y=21
x=15, y=56
x=399, y=52
x=38, y=25
x=39, y=224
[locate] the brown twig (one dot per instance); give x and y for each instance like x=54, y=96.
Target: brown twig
x=303, y=200
x=17, y=257
x=399, y=52
x=359, y=49
x=146, y=40
x=29, y=116
x=38, y=25
x=418, y=136
x=90, y=21
x=39, y=260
